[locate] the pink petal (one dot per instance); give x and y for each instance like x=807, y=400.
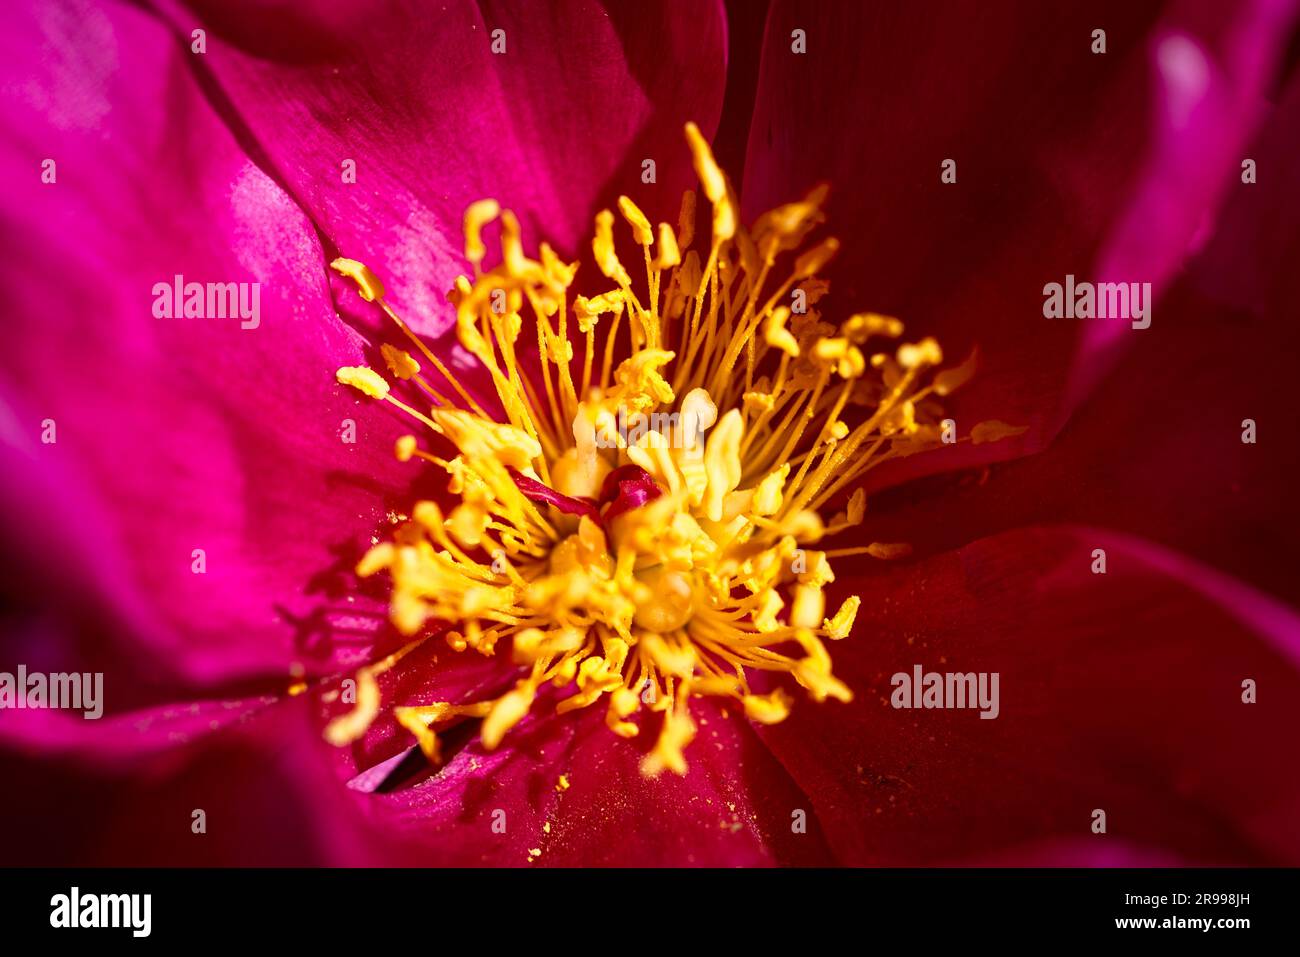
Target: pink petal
x=434, y=120
x=172, y=434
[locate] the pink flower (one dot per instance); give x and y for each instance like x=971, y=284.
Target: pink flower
x=1122, y=692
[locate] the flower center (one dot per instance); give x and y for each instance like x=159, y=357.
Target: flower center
x=640, y=531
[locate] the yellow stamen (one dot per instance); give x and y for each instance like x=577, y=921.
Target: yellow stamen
x=746, y=418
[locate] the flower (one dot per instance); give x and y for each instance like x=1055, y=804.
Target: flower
x=1123, y=691
x=651, y=567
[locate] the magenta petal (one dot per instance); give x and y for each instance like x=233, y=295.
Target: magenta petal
x=1121, y=692
x=413, y=94
x=121, y=741
x=225, y=435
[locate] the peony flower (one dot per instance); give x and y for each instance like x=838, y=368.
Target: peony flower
x=524, y=638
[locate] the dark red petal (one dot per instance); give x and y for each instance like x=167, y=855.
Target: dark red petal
x=1120, y=692
x=535, y=491
x=736, y=806
x=261, y=781
x=625, y=488
x=1059, y=154
x=1158, y=450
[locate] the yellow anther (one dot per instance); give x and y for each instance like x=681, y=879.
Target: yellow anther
x=812, y=261
x=770, y=605
x=602, y=247
x=756, y=403
x=348, y=727
x=557, y=270
x=480, y=438
x=508, y=710
x=706, y=167
x=857, y=507
x=404, y=448
x=722, y=462
x=777, y=335
x=641, y=231
x=399, y=362
x=924, y=353
x=363, y=380
x=767, y=496
x=429, y=515
x=368, y=284
x=411, y=720
x=863, y=325
x=588, y=310
x=808, y=608
x=840, y=626
x=769, y=708
x=841, y=355
x=793, y=220
x=724, y=219
x=699, y=413
x=477, y=216
x=516, y=264
x=622, y=703
x=467, y=522
x=677, y=733
x=379, y=556
x=640, y=384
x=686, y=221
x=668, y=255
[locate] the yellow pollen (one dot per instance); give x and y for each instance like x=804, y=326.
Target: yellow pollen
x=640, y=523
